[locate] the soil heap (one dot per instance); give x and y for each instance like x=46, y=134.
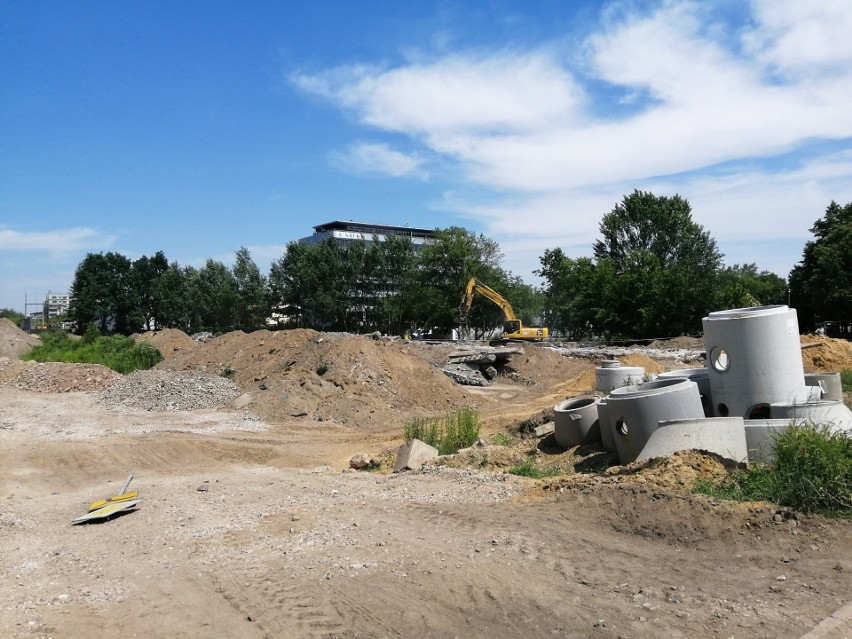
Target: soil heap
x=13, y=341
x=351, y=381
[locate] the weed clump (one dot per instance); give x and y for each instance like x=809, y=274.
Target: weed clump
x=811, y=472
x=528, y=468
x=450, y=433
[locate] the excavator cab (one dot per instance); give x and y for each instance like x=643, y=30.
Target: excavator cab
x=512, y=327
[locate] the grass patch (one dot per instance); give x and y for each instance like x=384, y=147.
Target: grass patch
x=323, y=368
x=121, y=354
x=528, y=468
x=455, y=430
x=501, y=439
x=812, y=473
x=228, y=372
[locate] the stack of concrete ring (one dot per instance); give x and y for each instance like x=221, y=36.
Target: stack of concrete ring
x=752, y=387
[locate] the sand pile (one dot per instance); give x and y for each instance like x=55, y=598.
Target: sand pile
x=828, y=355
x=13, y=341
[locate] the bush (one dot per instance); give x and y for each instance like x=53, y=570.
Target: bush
x=812, y=473
x=121, y=354
x=456, y=430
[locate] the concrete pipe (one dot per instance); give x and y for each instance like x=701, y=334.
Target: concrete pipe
x=576, y=422
x=724, y=436
x=832, y=414
x=760, y=438
x=609, y=378
x=605, y=423
x=636, y=412
x=830, y=385
x=754, y=359
x=700, y=376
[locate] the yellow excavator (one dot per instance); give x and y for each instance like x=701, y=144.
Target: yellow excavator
x=513, y=329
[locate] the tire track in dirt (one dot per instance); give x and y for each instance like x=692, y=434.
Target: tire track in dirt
x=278, y=608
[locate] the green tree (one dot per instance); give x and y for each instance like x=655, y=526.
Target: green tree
x=821, y=284
x=172, y=299
x=741, y=285
x=219, y=297
x=444, y=268
x=103, y=293
x=663, y=266
x=309, y=284
x=253, y=307
x=570, y=295
x=147, y=273
x=13, y=316
x=395, y=267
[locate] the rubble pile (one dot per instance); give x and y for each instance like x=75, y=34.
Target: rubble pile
x=684, y=355
x=55, y=377
x=477, y=365
x=154, y=390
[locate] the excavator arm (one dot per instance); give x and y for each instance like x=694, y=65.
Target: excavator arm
x=475, y=286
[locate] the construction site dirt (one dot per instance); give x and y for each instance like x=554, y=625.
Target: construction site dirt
x=252, y=524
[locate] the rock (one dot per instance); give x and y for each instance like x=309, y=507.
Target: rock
x=413, y=454
x=490, y=372
x=242, y=401
x=544, y=430
x=360, y=461
x=203, y=488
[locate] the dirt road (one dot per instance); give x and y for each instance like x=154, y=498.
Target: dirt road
x=278, y=542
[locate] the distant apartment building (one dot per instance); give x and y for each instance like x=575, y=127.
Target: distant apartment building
x=347, y=232
x=56, y=305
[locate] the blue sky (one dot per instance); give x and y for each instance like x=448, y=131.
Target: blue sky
x=197, y=128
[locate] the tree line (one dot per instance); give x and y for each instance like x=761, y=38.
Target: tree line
x=654, y=272
x=389, y=286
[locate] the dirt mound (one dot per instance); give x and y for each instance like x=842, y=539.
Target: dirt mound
x=352, y=380
x=348, y=380
x=638, y=359
x=167, y=340
x=678, y=343
x=13, y=341
x=826, y=354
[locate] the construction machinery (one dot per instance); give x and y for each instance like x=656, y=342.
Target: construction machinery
x=513, y=329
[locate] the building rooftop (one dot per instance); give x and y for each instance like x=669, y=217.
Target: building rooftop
x=380, y=229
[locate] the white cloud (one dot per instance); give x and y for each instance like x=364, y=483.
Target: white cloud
x=502, y=93
x=801, y=39
x=376, y=158
x=703, y=92
x=60, y=241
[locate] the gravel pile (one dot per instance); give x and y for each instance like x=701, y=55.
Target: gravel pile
x=55, y=377
x=168, y=391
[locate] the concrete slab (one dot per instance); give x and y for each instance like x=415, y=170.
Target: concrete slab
x=413, y=454
x=723, y=436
